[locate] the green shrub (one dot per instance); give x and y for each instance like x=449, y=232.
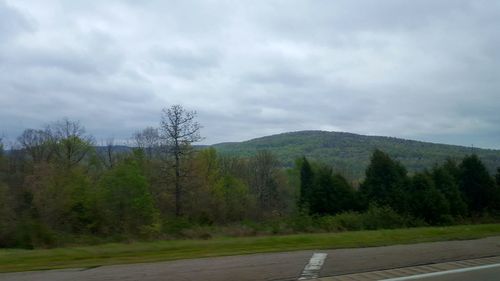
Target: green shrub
x=301, y=222
x=197, y=232
x=150, y=231
x=30, y=234
x=416, y=222
x=175, y=226
x=239, y=230
x=350, y=221
x=382, y=218
x=374, y=218
x=280, y=227
x=329, y=224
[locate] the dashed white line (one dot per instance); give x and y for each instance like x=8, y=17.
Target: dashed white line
x=311, y=270
x=419, y=276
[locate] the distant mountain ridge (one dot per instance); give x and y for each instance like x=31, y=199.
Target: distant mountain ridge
x=350, y=153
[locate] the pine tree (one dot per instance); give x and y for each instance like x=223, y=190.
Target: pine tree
x=496, y=196
x=497, y=177
x=448, y=186
x=322, y=198
x=306, y=182
x=476, y=184
x=384, y=182
x=426, y=201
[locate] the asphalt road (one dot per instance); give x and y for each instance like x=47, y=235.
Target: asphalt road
x=278, y=266
x=347, y=261
x=491, y=274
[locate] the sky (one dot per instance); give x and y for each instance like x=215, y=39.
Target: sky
x=426, y=70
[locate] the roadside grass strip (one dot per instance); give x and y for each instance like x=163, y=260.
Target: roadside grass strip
x=121, y=253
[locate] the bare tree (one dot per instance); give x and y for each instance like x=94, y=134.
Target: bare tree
x=179, y=130
x=107, y=153
x=1, y=147
x=38, y=144
x=263, y=168
x=72, y=143
x=148, y=140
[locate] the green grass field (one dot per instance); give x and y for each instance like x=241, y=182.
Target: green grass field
x=91, y=256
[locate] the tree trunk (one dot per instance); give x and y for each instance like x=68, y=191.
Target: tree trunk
x=177, y=183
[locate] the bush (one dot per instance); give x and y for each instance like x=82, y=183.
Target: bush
x=329, y=224
x=175, y=226
x=30, y=234
x=340, y=222
x=485, y=217
x=239, y=230
x=382, y=218
x=279, y=227
x=374, y=218
x=301, y=222
x=197, y=232
x=150, y=231
x=350, y=221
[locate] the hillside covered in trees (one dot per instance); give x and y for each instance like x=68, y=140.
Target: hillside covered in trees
x=58, y=188
x=349, y=153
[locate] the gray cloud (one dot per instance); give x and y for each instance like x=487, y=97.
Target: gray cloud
x=424, y=69
x=12, y=23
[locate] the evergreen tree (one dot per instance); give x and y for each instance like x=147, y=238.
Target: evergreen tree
x=384, y=182
x=306, y=182
x=328, y=194
x=497, y=177
x=496, y=196
x=345, y=194
x=448, y=186
x=332, y=194
x=451, y=167
x=426, y=202
x=321, y=198
x=476, y=184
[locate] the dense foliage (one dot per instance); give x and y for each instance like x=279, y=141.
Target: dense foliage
x=349, y=154
x=57, y=188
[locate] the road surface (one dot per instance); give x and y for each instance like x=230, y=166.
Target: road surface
x=279, y=266
x=490, y=274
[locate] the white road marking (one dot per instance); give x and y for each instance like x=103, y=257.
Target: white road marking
x=311, y=270
x=419, y=276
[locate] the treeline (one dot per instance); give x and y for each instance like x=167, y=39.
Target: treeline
x=57, y=187
x=350, y=153
x=445, y=194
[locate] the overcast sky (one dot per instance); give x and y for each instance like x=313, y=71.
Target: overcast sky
x=425, y=70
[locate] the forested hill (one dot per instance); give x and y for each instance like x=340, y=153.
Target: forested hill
x=350, y=153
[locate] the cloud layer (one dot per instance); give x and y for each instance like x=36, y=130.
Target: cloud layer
x=425, y=70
